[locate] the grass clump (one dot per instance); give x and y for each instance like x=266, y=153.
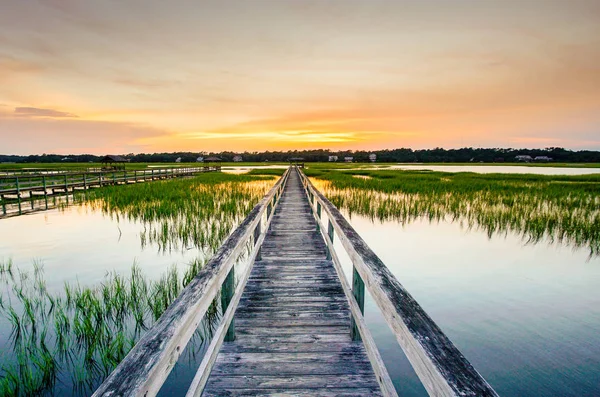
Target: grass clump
x=183, y=213
x=561, y=208
x=80, y=334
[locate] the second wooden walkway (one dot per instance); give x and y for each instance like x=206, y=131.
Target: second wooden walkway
x=292, y=326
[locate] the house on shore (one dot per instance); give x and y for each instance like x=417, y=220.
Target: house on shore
x=524, y=158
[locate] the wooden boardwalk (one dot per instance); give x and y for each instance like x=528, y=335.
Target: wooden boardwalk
x=292, y=325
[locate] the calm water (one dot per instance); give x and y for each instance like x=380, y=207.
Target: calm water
x=526, y=316
x=80, y=245
x=503, y=169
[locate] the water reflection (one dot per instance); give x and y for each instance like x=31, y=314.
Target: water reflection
x=71, y=305
x=535, y=210
x=526, y=315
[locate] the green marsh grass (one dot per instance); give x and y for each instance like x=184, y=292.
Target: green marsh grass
x=564, y=209
x=78, y=335
x=82, y=331
x=183, y=213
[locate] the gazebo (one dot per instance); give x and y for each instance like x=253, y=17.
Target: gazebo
x=216, y=160
x=112, y=163
x=297, y=161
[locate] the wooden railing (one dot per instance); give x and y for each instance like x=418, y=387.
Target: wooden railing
x=440, y=366
x=146, y=367
x=13, y=188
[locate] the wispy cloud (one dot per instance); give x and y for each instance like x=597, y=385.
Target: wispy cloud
x=38, y=112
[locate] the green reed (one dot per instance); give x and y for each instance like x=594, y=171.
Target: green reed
x=79, y=334
x=560, y=208
x=183, y=213
x=82, y=331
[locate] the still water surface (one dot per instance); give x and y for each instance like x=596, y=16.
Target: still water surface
x=526, y=316
x=503, y=169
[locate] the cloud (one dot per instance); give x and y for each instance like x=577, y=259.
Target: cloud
x=31, y=135
x=38, y=112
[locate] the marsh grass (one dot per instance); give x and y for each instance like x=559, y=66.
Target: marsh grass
x=184, y=213
x=82, y=332
x=78, y=335
x=564, y=209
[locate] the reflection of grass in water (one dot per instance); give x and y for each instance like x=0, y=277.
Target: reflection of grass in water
x=82, y=332
x=561, y=208
x=195, y=212
x=79, y=336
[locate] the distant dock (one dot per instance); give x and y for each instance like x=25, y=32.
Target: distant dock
x=23, y=188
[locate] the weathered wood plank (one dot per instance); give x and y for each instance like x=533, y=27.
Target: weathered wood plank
x=441, y=367
x=292, y=382
x=337, y=392
x=293, y=319
x=159, y=349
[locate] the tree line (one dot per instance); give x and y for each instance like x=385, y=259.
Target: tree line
x=402, y=155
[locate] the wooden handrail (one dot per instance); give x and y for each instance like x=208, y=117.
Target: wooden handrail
x=143, y=371
x=441, y=367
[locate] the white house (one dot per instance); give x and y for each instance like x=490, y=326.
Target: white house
x=348, y=159
x=178, y=160
x=237, y=158
x=542, y=158
x=200, y=159
x=524, y=157
x=333, y=158
x=372, y=157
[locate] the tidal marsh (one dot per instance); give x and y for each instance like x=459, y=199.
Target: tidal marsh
x=564, y=209
x=67, y=340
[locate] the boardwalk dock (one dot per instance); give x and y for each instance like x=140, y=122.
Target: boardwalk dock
x=292, y=325
x=22, y=186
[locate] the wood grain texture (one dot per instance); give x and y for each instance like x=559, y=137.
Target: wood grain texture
x=146, y=367
x=293, y=320
x=441, y=367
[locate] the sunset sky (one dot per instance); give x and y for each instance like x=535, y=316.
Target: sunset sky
x=121, y=76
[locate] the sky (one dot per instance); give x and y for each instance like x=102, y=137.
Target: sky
x=131, y=76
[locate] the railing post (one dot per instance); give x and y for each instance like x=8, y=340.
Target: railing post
x=45, y=190
x=100, y=179
x=319, y=210
x=269, y=210
x=358, y=290
x=227, y=291
x=257, y=232
x=18, y=194
x=330, y=234
x=84, y=181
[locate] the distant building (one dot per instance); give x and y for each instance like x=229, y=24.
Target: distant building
x=237, y=159
x=111, y=163
x=543, y=159
x=524, y=158
x=178, y=160
x=200, y=159
x=372, y=157
x=333, y=158
x=348, y=159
